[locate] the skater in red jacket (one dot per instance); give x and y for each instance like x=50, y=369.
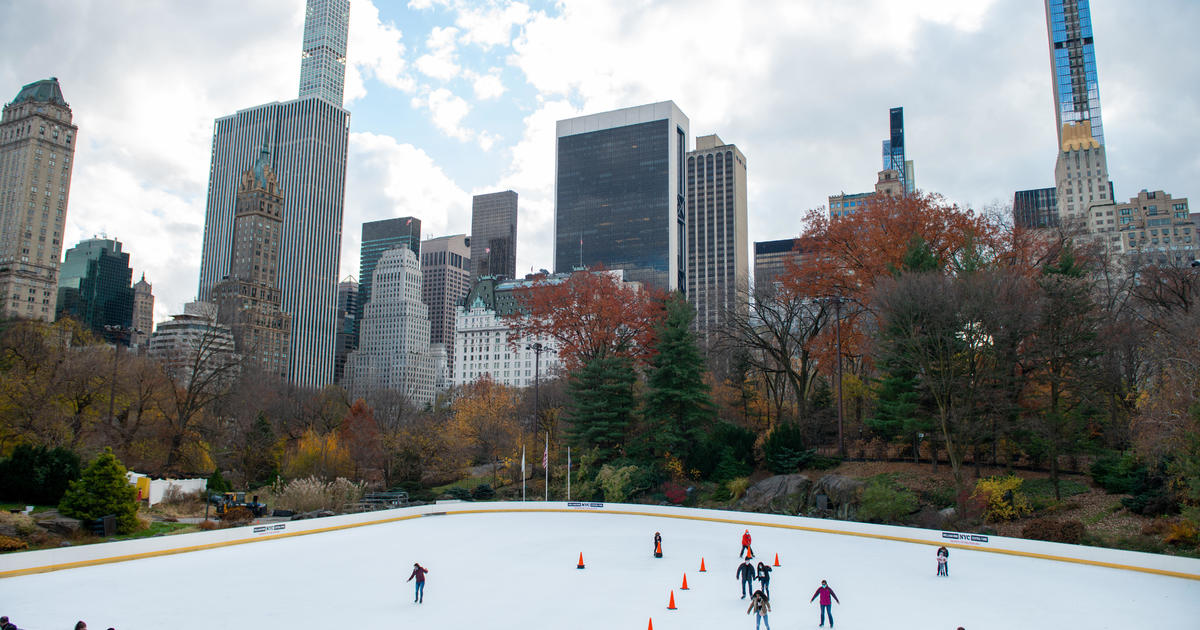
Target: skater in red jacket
x=746, y=546
x=826, y=606
x=419, y=573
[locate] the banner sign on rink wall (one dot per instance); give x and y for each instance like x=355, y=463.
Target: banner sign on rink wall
x=970, y=539
x=269, y=529
x=585, y=505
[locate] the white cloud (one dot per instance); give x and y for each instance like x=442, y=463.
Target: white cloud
x=447, y=112
x=488, y=86
x=489, y=26
x=486, y=140
x=387, y=179
x=441, y=62
x=374, y=50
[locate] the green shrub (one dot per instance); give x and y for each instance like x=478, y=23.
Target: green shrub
x=37, y=475
x=1043, y=488
x=885, y=502
x=710, y=457
x=217, y=483
x=816, y=461
x=1118, y=473
x=730, y=467
x=460, y=493
x=783, y=449
x=103, y=490
x=618, y=484
x=738, y=487
x=940, y=496
x=1051, y=530
x=483, y=492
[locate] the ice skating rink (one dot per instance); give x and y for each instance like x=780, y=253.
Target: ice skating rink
x=518, y=570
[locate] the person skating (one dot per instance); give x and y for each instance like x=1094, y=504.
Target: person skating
x=5, y=624
x=764, y=578
x=657, y=545
x=746, y=546
x=419, y=573
x=761, y=605
x=826, y=606
x=745, y=573
x=943, y=560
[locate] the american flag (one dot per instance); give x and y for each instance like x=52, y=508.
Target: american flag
x=546, y=456
x=408, y=222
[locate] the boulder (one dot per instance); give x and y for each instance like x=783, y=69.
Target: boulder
x=843, y=494
x=781, y=494
x=56, y=523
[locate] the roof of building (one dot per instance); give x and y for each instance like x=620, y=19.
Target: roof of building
x=44, y=91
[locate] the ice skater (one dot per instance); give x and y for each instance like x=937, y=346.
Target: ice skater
x=745, y=573
x=419, y=573
x=943, y=559
x=746, y=546
x=657, y=545
x=761, y=605
x=764, y=578
x=826, y=606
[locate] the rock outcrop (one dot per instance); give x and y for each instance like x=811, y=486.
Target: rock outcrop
x=781, y=494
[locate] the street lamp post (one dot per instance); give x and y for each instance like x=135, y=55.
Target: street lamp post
x=837, y=309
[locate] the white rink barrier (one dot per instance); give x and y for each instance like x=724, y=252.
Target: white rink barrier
x=28, y=562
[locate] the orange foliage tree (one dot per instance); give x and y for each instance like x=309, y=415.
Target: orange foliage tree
x=359, y=433
x=485, y=419
x=589, y=315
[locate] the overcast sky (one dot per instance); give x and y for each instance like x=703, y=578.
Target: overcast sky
x=453, y=98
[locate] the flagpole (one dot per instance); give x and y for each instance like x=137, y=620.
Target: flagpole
x=546, y=458
x=568, y=473
x=522, y=472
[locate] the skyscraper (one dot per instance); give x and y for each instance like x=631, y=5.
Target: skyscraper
x=307, y=140
x=347, y=312
x=494, y=235
x=393, y=351
x=771, y=261
x=1081, y=170
x=248, y=299
x=718, y=274
x=445, y=280
x=323, y=61
x=143, y=312
x=377, y=238
x=37, y=144
x=94, y=288
x=619, y=194
x=894, y=156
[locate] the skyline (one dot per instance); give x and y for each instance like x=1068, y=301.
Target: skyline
x=974, y=81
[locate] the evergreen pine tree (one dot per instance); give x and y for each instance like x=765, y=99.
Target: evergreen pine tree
x=601, y=405
x=103, y=490
x=676, y=406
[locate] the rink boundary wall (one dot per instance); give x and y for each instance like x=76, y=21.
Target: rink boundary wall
x=43, y=561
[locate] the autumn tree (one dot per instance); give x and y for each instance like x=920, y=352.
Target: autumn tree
x=485, y=419
x=318, y=455
x=588, y=315
x=361, y=436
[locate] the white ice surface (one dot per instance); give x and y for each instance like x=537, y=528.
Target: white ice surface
x=518, y=571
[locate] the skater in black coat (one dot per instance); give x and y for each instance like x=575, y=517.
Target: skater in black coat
x=943, y=561
x=764, y=578
x=745, y=573
x=657, y=545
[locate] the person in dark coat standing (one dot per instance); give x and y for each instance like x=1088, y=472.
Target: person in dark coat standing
x=761, y=605
x=826, y=606
x=657, y=545
x=745, y=573
x=746, y=546
x=943, y=559
x=764, y=578
x=419, y=573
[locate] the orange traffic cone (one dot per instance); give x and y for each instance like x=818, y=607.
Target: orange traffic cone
x=684, y=587
x=776, y=559
x=702, y=569
x=651, y=626
x=580, y=560
x=671, y=604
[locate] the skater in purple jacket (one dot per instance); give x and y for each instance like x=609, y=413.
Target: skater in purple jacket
x=826, y=606
x=419, y=573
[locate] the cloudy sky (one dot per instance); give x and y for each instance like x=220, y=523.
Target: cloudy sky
x=451, y=98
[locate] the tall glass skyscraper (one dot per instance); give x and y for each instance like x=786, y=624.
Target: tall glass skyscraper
x=619, y=194
x=377, y=238
x=894, y=157
x=94, y=288
x=493, y=235
x=718, y=262
x=307, y=139
x=1073, y=64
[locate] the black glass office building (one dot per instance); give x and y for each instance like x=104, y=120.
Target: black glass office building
x=1036, y=208
x=619, y=194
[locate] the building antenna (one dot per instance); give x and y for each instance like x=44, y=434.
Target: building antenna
x=581, y=248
